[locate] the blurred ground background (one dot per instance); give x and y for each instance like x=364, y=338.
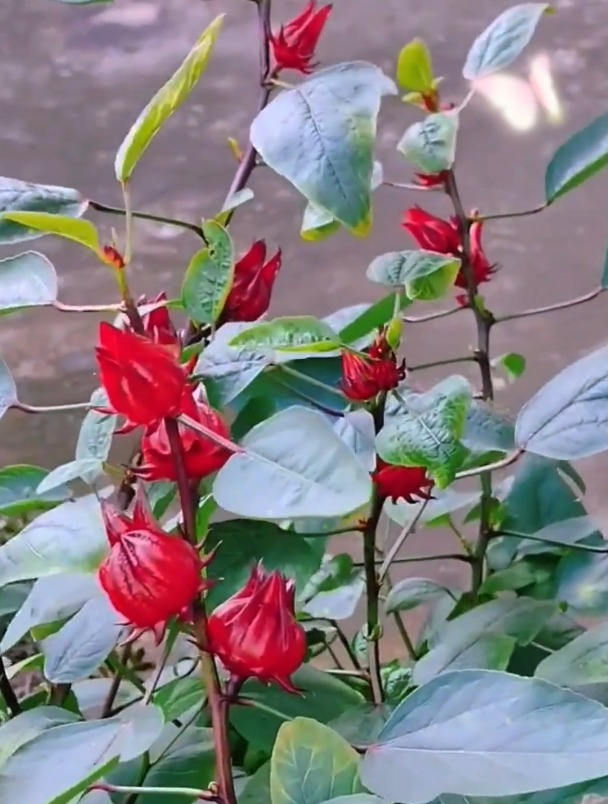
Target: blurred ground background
x=74, y=79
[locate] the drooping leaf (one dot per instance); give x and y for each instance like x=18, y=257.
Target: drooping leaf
x=477, y=639
x=8, y=389
x=580, y=662
x=303, y=333
x=412, y=592
x=414, y=69
x=425, y=275
x=503, y=40
x=209, y=276
x=311, y=764
x=566, y=532
x=323, y=698
x=29, y=725
x=332, y=116
x=70, y=538
x=79, y=231
x=427, y=430
x=23, y=196
x=579, y=158
x=243, y=543
x=27, y=280
x=95, y=436
x=334, y=590
x=81, y=645
x=168, y=98
x=568, y=417
x=60, y=475
x=294, y=466
x=373, y=316
x=18, y=491
x=430, y=145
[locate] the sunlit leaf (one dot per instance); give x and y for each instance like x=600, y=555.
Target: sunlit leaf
x=430, y=145
x=80, y=231
x=414, y=69
x=298, y=333
x=23, y=196
x=209, y=276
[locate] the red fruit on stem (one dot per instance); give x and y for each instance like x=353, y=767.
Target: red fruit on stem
x=143, y=380
x=148, y=576
x=293, y=47
x=252, y=285
x=255, y=633
x=202, y=456
x=406, y=482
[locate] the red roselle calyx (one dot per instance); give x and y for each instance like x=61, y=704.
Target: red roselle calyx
x=157, y=323
x=293, y=47
x=365, y=376
x=252, y=285
x=401, y=482
x=148, y=576
x=255, y=633
x=202, y=456
x=435, y=234
x=143, y=380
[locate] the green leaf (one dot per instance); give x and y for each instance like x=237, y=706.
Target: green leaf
x=80, y=231
x=512, y=364
x=209, y=276
x=503, y=40
x=310, y=764
x=582, y=583
x=579, y=158
x=82, y=644
x=568, y=417
x=518, y=576
x=168, y=98
x=60, y=475
x=414, y=68
x=412, y=592
x=70, y=538
x=487, y=429
x=294, y=465
x=23, y=196
x=583, y=661
x=96, y=432
x=335, y=590
x=332, y=116
x=33, y=775
x=529, y=747
x=8, y=389
x=566, y=532
x=476, y=639
x=243, y=543
x=27, y=280
x=18, y=491
x=427, y=430
x=302, y=333
x=322, y=697
x=50, y=599
x=604, y=281
x=412, y=270
x=373, y=316
x=446, y=501
x=29, y=725
x=430, y=144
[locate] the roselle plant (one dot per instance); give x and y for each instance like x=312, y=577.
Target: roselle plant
x=192, y=612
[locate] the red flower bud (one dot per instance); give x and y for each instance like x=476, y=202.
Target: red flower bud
x=252, y=285
x=293, y=48
x=113, y=257
x=157, y=324
x=480, y=265
x=142, y=379
x=431, y=179
x=365, y=376
x=148, y=576
x=255, y=633
x=202, y=456
x=405, y=482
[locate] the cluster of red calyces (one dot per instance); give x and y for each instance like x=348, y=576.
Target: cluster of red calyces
x=293, y=46
x=365, y=375
x=401, y=482
x=435, y=234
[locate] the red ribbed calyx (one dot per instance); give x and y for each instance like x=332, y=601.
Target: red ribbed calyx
x=293, y=47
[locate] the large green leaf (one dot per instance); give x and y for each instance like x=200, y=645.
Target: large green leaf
x=503, y=40
x=568, y=417
x=582, y=661
x=209, y=276
x=70, y=538
x=487, y=429
x=320, y=137
x=73, y=470
x=582, y=583
x=579, y=158
x=79, y=231
x=168, y=98
x=8, y=389
x=564, y=533
x=412, y=592
x=581, y=793
x=242, y=543
x=430, y=144
x=303, y=333
x=427, y=430
x=29, y=725
x=311, y=763
x=478, y=638
x=18, y=491
x=82, y=644
x=439, y=740
x=425, y=275
x=293, y=466
x=322, y=697
x=23, y=196
x=27, y=280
